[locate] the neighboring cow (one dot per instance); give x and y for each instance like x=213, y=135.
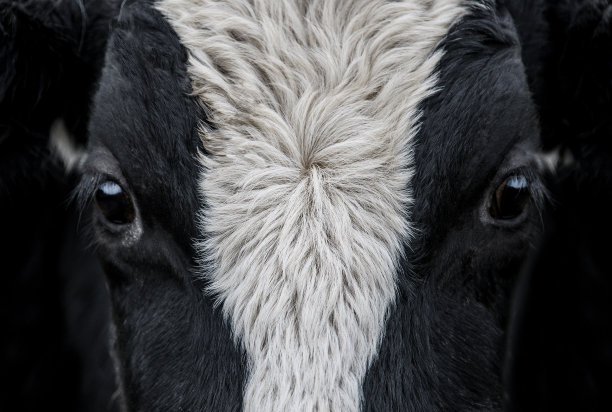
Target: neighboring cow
x=322, y=205
x=54, y=345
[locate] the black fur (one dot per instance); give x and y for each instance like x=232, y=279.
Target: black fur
x=560, y=357
x=174, y=349
x=55, y=309
x=444, y=342
x=519, y=74
x=559, y=352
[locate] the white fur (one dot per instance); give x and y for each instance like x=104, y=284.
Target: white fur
x=307, y=177
x=63, y=145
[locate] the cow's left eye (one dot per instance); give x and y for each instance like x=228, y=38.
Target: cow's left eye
x=114, y=203
x=511, y=198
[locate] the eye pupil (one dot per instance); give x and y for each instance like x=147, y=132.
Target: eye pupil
x=510, y=198
x=114, y=203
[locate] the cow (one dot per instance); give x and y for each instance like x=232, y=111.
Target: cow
x=326, y=204
x=55, y=344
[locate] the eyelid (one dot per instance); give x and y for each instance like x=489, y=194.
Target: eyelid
x=87, y=186
x=100, y=165
x=519, y=161
x=529, y=170
x=101, y=161
x=537, y=190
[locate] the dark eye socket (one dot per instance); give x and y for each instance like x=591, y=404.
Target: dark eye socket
x=511, y=198
x=114, y=203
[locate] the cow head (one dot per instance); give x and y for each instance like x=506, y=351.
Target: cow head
x=313, y=205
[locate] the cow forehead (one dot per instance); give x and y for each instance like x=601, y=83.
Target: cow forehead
x=312, y=108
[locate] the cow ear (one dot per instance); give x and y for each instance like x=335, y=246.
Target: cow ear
x=51, y=53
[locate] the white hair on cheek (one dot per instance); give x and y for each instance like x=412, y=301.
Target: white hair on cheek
x=307, y=177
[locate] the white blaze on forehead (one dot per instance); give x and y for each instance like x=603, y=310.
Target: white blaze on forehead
x=314, y=105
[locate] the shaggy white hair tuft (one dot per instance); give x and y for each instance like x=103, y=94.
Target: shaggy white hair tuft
x=314, y=105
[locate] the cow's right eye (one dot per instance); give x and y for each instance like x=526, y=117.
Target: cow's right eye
x=114, y=203
x=511, y=198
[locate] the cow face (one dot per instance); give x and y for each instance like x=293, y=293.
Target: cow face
x=312, y=206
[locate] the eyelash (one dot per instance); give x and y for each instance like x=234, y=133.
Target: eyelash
x=537, y=190
x=83, y=193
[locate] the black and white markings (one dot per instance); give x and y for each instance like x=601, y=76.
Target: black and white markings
x=307, y=177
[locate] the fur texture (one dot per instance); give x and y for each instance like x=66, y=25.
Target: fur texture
x=281, y=89
x=312, y=108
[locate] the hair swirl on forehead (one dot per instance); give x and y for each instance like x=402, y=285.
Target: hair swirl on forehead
x=313, y=107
